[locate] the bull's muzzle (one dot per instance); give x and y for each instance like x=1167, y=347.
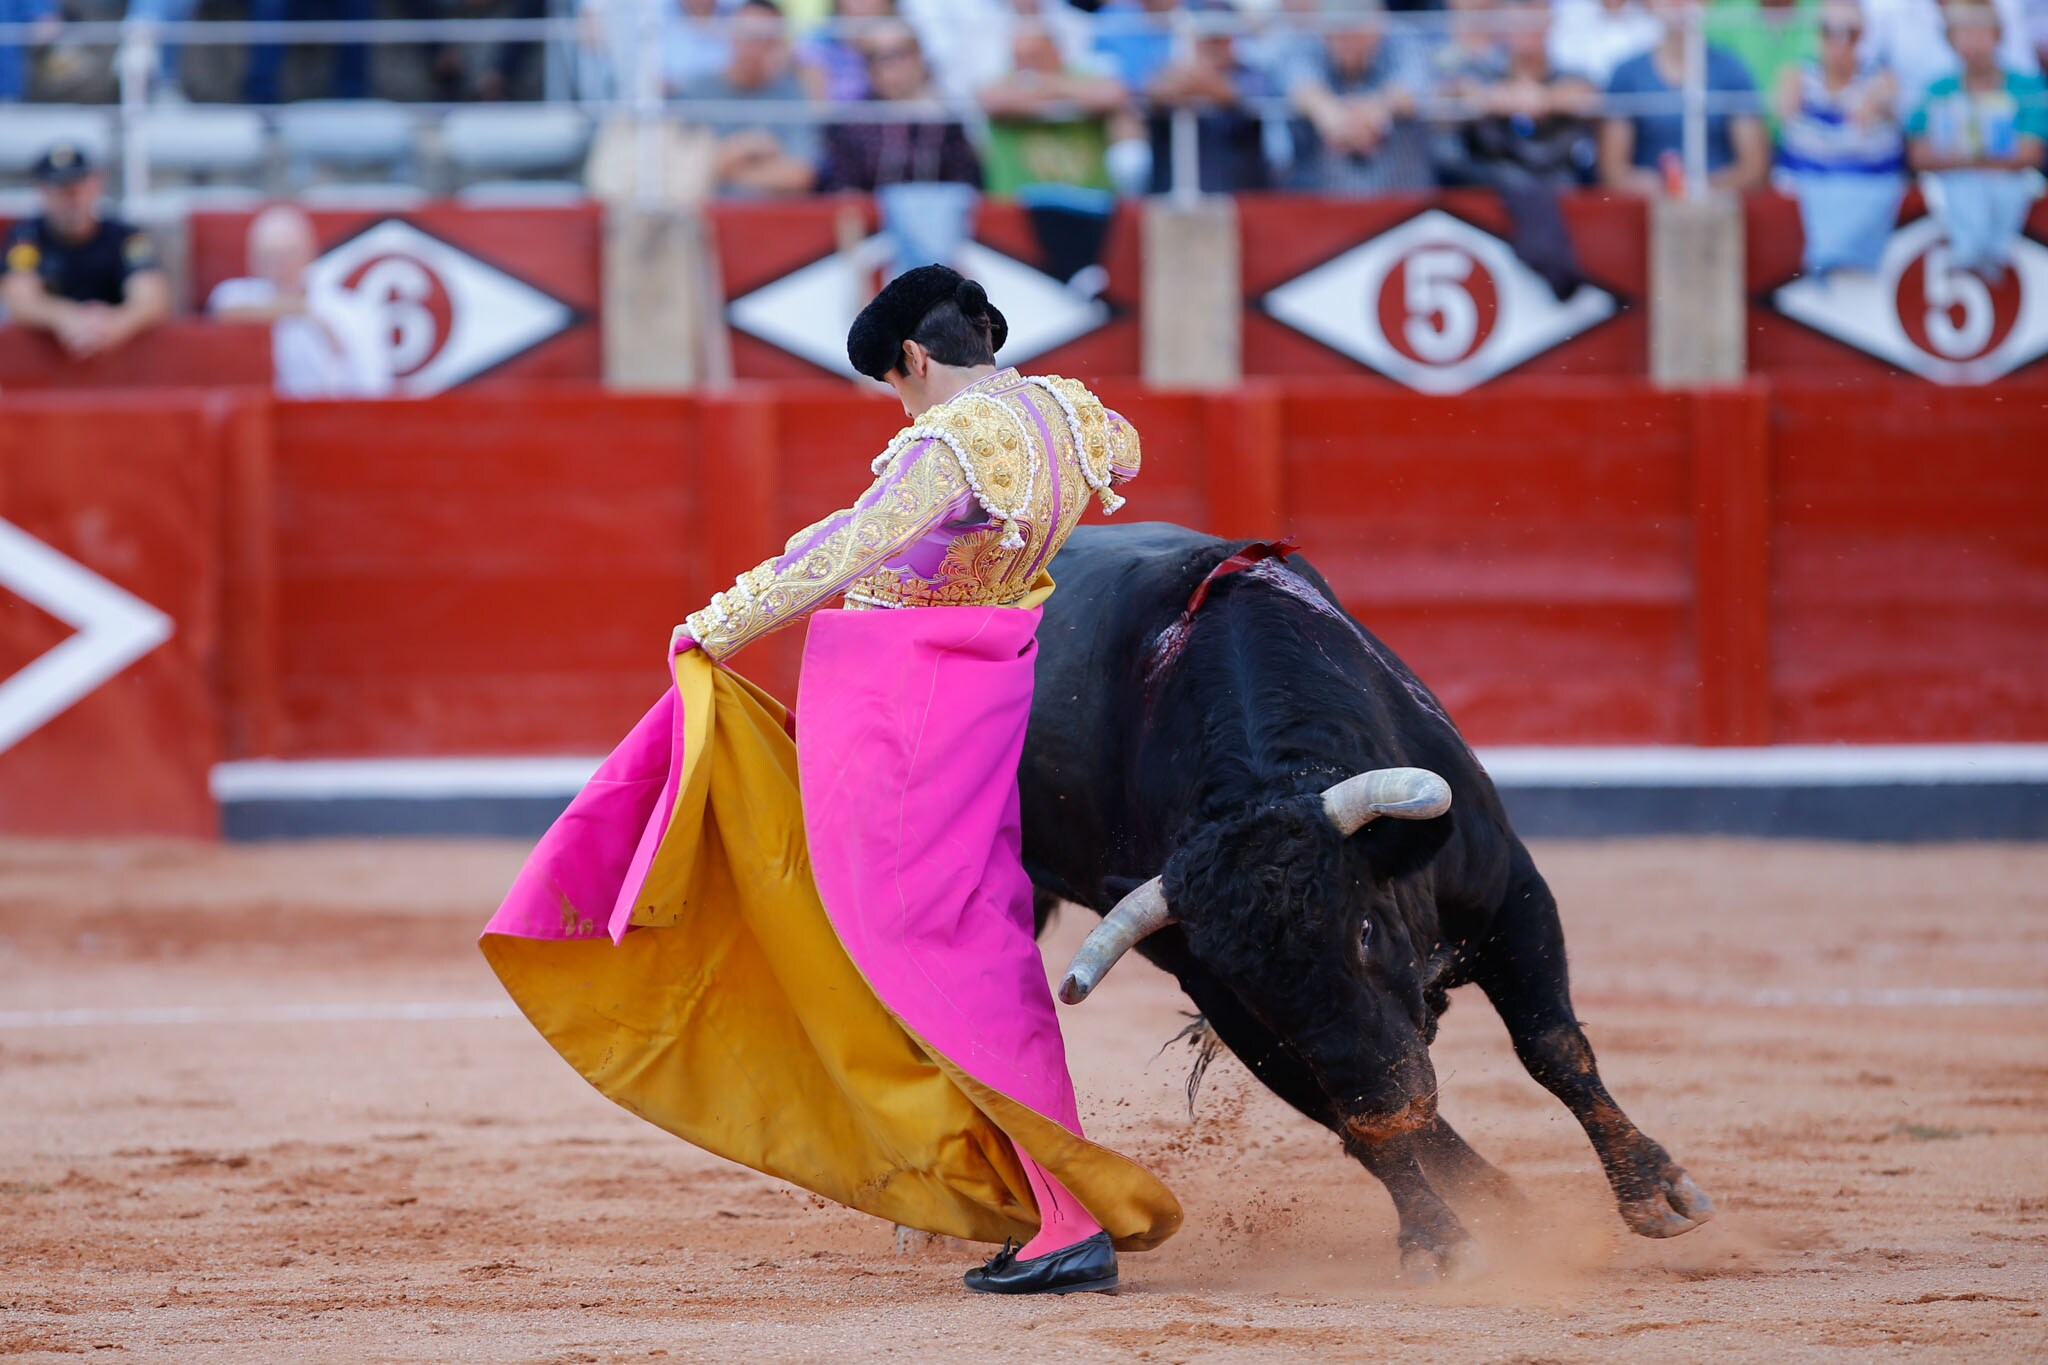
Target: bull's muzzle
x=1402, y=793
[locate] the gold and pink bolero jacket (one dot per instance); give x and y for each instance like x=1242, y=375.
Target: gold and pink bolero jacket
x=969, y=505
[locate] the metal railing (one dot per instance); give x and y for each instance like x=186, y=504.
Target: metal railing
x=638, y=92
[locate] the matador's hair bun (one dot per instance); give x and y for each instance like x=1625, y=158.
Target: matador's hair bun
x=874, y=345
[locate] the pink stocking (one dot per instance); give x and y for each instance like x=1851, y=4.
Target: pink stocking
x=1061, y=1219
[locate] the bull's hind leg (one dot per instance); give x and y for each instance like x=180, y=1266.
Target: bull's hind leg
x=1433, y=1242
x=1523, y=974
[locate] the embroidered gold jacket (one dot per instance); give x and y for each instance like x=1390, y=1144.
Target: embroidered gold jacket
x=969, y=504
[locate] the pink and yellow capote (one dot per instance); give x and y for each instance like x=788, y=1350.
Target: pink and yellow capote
x=816, y=958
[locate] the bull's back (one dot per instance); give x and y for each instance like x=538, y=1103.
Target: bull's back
x=1119, y=586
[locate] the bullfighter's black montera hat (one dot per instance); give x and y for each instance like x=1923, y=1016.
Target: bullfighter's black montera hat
x=875, y=342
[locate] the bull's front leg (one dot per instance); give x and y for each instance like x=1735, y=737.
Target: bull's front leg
x=1524, y=976
x=1432, y=1240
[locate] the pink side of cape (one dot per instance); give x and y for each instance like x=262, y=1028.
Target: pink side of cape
x=583, y=875
x=911, y=728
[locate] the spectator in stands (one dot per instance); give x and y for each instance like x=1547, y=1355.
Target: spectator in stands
x=1769, y=37
x=782, y=157
x=924, y=173
x=1048, y=147
x=1472, y=52
x=1135, y=37
x=1978, y=139
x=694, y=42
x=320, y=347
x=500, y=69
x=351, y=60
x=869, y=155
x=93, y=283
x=149, y=14
x=1643, y=151
x=1527, y=135
x=1909, y=38
x=1591, y=38
x=830, y=62
x=1841, y=151
x=1214, y=84
x=45, y=20
x=1358, y=95
x=967, y=42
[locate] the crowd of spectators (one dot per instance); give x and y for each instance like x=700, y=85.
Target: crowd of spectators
x=1065, y=104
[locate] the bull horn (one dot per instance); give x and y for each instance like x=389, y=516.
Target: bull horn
x=1404, y=793
x=1144, y=911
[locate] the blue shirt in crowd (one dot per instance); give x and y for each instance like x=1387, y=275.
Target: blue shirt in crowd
x=1657, y=134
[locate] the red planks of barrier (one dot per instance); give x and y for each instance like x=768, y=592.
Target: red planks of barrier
x=487, y=574
x=180, y=354
x=1535, y=569
x=499, y=574
x=1909, y=562
x=109, y=613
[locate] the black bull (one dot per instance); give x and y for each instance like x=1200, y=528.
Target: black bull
x=1322, y=962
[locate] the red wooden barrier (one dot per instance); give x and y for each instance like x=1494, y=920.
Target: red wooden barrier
x=487, y=574
x=128, y=489
x=478, y=574
x=182, y=353
x=1909, y=563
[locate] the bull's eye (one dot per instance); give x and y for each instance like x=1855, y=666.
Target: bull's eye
x=1365, y=937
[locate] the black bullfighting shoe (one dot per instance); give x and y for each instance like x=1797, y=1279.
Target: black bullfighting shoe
x=1086, y=1267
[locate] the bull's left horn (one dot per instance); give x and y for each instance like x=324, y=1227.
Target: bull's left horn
x=1404, y=793
x=1143, y=912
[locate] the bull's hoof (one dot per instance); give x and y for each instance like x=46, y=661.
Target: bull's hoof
x=1677, y=1205
x=1449, y=1262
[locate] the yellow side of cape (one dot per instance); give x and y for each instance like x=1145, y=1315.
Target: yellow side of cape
x=731, y=1017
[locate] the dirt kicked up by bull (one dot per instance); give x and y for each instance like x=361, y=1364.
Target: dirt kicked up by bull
x=1259, y=797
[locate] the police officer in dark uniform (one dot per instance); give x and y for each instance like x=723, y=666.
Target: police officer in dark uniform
x=93, y=283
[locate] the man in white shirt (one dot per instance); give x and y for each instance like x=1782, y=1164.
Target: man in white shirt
x=1910, y=39
x=1590, y=38
x=320, y=347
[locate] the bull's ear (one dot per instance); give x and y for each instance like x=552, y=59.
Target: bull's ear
x=1395, y=848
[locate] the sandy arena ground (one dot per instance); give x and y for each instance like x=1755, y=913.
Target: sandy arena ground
x=333, y=1143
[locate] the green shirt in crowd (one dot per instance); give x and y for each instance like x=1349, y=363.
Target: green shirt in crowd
x=1767, y=39
x=1023, y=152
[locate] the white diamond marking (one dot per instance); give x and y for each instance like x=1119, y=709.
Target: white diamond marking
x=115, y=628
x=1337, y=303
x=809, y=311
x=491, y=315
x=1863, y=312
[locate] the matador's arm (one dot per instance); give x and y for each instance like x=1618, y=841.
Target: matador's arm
x=923, y=493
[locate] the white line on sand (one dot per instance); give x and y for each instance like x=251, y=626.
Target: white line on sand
x=433, y=1011
x=357, y=1012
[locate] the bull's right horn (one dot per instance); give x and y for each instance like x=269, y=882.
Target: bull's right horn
x=1404, y=793
x=1143, y=912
